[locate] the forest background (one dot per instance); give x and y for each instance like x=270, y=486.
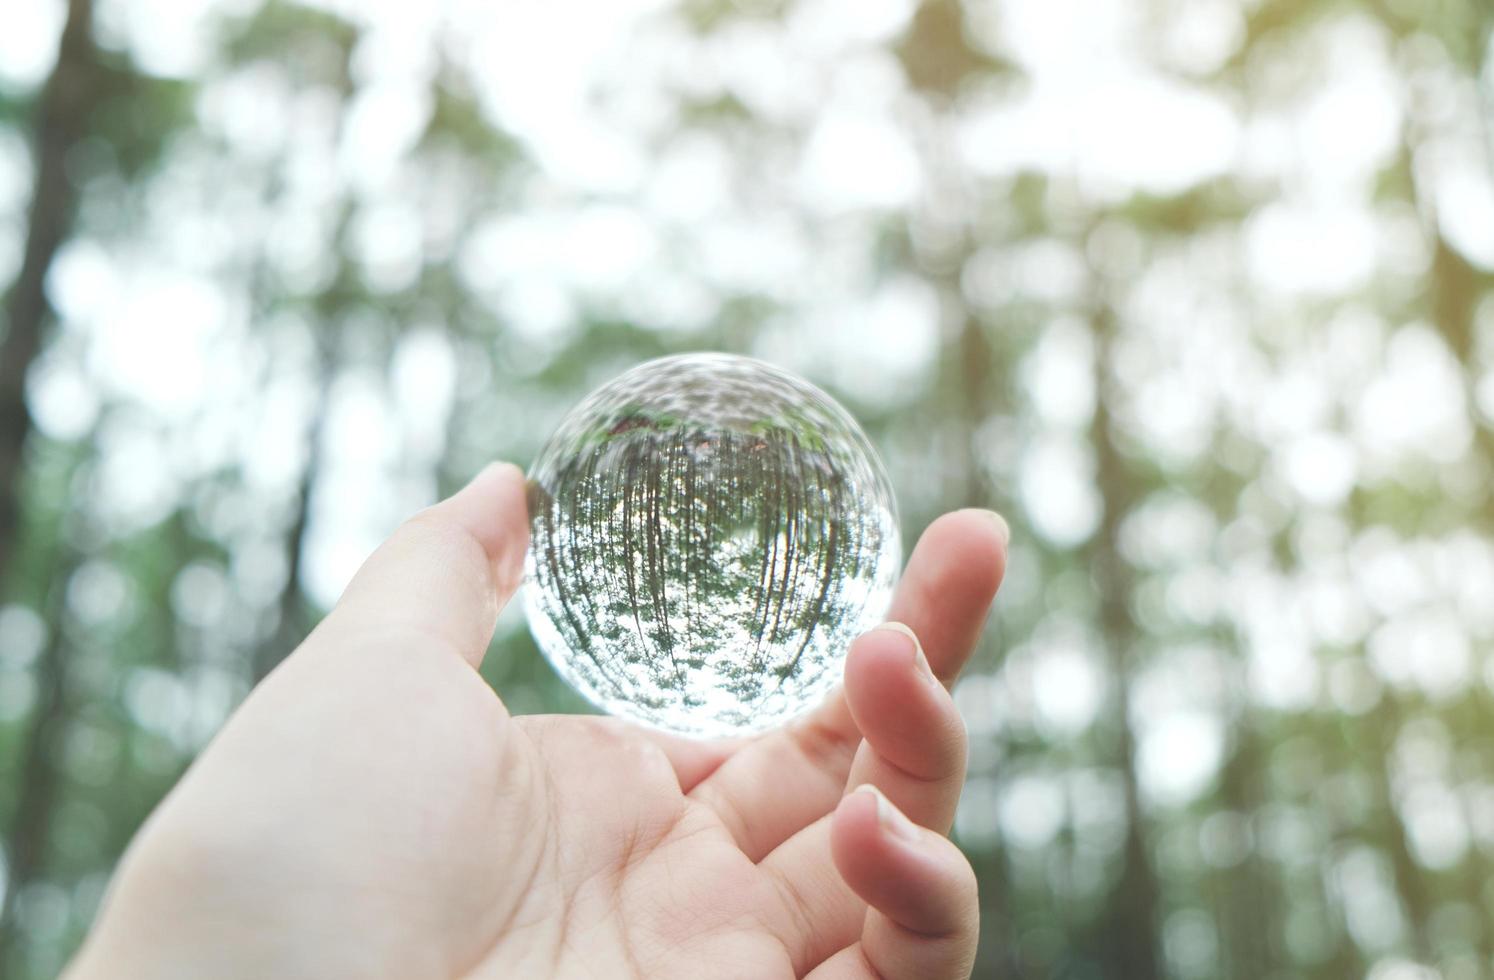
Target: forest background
x=1199, y=293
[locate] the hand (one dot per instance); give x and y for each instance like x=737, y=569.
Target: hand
x=372, y=810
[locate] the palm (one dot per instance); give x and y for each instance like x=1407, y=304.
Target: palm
x=636, y=877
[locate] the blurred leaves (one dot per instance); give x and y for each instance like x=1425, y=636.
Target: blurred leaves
x=313, y=46
x=937, y=53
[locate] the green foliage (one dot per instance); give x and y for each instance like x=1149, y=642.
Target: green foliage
x=938, y=54
x=137, y=117
x=458, y=122
x=312, y=45
x=15, y=107
x=1215, y=202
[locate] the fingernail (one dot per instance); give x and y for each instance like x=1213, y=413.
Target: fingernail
x=1001, y=526
x=890, y=817
x=920, y=662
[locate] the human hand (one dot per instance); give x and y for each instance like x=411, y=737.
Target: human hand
x=372, y=810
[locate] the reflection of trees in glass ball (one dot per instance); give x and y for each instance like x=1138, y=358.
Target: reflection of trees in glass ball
x=709, y=535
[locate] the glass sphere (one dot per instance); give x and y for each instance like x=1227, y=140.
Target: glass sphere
x=708, y=534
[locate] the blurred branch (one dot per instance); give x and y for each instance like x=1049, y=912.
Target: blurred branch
x=61, y=123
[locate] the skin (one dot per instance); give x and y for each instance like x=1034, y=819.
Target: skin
x=372, y=810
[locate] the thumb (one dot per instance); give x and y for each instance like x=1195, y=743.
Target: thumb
x=442, y=577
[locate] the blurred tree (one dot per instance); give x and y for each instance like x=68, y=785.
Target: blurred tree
x=39, y=769
x=1135, y=904
x=61, y=118
x=66, y=115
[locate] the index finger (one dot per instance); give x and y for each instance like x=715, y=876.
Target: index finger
x=947, y=610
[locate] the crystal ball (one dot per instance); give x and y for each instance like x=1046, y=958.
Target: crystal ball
x=708, y=534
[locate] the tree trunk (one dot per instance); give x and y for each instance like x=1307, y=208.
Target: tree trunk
x=1454, y=297
x=1451, y=302
x=61, y=121
x=970, y=369
x=40, y=777
x=1133, y=929
x=1416, y=893
x=291, y=625
x=1244, y=903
